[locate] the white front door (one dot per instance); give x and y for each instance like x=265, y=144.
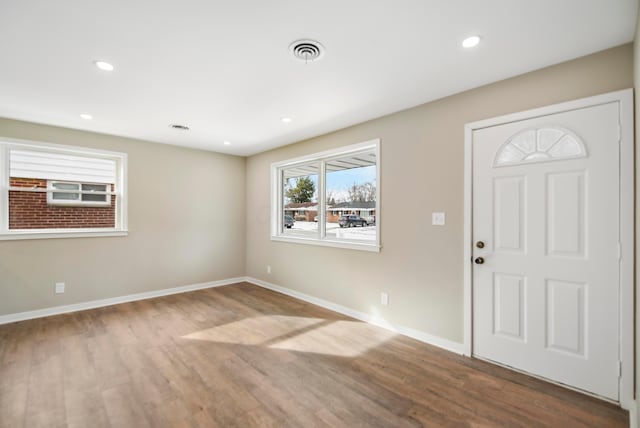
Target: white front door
x=546, y=214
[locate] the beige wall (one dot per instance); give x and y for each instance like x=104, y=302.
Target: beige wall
x=186, y=226
x=187, y=223
x=420, y=265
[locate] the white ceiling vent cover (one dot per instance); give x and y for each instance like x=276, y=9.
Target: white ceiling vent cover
x=306, y=50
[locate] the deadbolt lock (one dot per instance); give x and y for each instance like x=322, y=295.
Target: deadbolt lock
x=480, y=244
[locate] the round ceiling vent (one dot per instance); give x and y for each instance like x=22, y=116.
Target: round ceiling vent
x=306, y=50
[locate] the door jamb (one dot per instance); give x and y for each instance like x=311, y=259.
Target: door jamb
x=624, y=98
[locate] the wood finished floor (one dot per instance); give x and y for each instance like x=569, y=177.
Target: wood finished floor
x=242, y=356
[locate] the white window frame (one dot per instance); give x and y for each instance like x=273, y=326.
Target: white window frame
x=78, y=202
x=120, y=228
x=277, y=198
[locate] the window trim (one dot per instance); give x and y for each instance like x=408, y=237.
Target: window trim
x=121, y=225
x=322, y=158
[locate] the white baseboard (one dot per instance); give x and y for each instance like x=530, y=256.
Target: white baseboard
x=446, y=344
x=368, y=318
x=632, y=407
x=56, y=310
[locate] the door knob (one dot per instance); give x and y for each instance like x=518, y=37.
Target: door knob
x=479, y=260
x=480, y=244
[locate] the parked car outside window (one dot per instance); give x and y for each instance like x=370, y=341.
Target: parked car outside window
x=288, y=221
x=351, y=221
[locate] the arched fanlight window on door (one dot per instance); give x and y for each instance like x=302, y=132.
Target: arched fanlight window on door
x=540, y=145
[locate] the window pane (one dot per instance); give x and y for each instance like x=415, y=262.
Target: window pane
x=65, y=186
x=351, y=197
x=65, y=196
x=300, y=200
x=94, y=198
x=94, y=187
x=55, y=210
x=46, y=184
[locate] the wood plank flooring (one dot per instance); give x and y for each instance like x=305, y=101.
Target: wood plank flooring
x=242, y=356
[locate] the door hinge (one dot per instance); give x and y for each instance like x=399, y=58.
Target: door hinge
x=619, y=251
x=619, y=369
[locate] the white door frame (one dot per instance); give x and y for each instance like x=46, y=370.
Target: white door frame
x=624, y=99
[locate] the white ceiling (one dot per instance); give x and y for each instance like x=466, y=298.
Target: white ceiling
x=224, y=68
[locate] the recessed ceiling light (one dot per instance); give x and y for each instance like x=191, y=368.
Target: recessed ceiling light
x=227, y=143
x=86, y=116
x=179, y=127
x=470, y=42
x=103, y=65
x=285, y=119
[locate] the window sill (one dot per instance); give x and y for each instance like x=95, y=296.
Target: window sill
x=60, y=233
x=329, y=243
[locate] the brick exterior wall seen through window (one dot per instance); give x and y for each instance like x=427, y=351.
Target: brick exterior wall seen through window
x=29, y=210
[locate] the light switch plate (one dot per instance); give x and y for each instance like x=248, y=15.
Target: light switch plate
x=438, y=219
x=384, y=299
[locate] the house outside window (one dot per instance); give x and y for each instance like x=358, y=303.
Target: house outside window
x=54, y=191
x=318, y=189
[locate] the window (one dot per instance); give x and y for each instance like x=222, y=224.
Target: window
x=78, y=194
x=52, y=191
x=312, y=195
x=540, y=145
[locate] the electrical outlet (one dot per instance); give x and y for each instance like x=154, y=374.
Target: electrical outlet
x=269, y=269
x=438, y=219
x=59, y=287
x=384, y=299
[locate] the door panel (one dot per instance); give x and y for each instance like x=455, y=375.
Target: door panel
x=509, y=303
x=566, y=233
x=546, y=204
x=509, y=214
x=566, y=316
